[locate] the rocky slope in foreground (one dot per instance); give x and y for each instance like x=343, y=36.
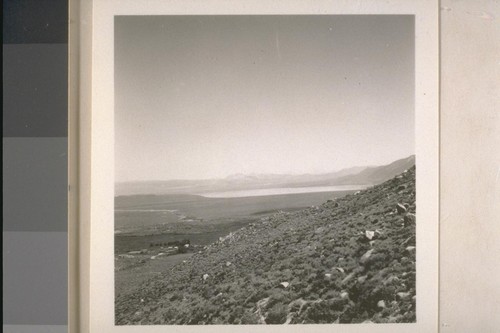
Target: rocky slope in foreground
x=349, y=260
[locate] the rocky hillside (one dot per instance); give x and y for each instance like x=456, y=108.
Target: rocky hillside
x=349, y=260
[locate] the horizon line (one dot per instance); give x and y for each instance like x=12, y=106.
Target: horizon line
x=246, y=174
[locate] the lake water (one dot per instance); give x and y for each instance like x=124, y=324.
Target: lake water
x=281, y=190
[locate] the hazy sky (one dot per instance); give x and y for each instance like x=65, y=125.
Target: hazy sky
x=209, y=96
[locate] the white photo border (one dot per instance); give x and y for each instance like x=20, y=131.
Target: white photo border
x=101, y=140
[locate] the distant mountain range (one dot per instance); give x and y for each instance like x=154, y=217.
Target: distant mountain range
x=360, y=175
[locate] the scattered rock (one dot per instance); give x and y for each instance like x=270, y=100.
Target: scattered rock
x=362, y=279
x=393, y=319
x=365, y=256
x=403, y=295
x=410, y=249
x=262, y=303
x=228, y=263
x=127, y=256
x=344, y=295
x=401, y=208
x=409, y=219
x=381, y=304
x=340, y=269
x=320, y=230
x=348, y=278
x=205, y=277
x=391, y=279
x=369, y=234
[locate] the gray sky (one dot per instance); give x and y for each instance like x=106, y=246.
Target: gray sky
x=209, y=96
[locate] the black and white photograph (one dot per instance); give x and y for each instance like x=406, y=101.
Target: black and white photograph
x=264, y=170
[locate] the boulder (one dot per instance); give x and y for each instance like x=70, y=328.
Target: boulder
x=381, y=304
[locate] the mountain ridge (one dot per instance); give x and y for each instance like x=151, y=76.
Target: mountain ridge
x=358, y=175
